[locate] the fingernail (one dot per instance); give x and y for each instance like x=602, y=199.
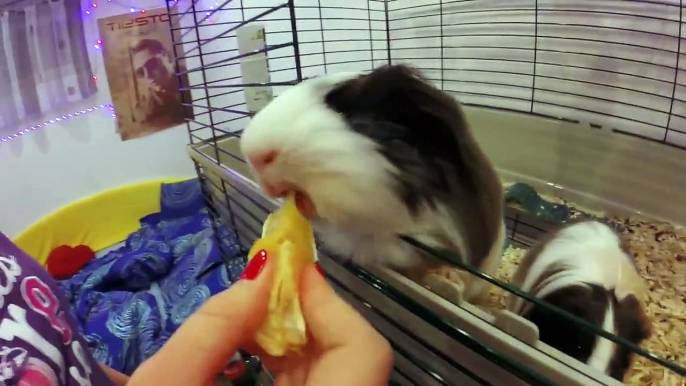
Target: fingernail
x=235, y=370
x=319, y=269
x=255, y=266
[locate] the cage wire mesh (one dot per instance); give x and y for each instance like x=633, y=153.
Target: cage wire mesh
x=607, y=65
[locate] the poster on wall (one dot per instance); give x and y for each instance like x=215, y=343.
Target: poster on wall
x=139, y=62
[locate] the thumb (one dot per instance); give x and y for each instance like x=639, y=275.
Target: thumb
x=207, y=340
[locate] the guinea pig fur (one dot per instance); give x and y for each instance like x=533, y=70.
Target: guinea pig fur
x=378, y=155
x=584, y=269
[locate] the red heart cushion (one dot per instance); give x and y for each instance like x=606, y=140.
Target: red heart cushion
x=65, y=261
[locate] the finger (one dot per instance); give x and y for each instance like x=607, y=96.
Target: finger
x=346, y=338
x=207, y=340
x=330, y=319
x=115, y=376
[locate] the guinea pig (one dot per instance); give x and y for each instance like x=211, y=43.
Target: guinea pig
x=586, y=270
x=376, y=155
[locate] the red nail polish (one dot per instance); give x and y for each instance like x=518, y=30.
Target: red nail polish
x=255, y=266
x=235, y=370
x=319, y=269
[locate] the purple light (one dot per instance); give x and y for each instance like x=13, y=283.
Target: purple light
x=54, y=120
x=133, y=9
x=97, y=46
x=88, y=12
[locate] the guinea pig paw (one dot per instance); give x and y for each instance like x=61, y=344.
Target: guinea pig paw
x=449, y=273
x=450, y=290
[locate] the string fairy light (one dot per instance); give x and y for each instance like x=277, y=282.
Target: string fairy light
x=132, y=9
x=56, y=120
x=213, y=10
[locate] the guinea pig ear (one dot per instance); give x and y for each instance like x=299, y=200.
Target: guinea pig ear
x=632, y=324
x=395, y=94
x=632, y=321
x=396, y=107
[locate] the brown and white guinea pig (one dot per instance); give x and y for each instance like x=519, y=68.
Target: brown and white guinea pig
x=377, y=155
x=585, y=269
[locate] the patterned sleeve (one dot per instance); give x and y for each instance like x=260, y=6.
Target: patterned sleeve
x=40, y=344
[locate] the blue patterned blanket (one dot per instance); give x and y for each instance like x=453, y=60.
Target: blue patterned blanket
x=130, y=301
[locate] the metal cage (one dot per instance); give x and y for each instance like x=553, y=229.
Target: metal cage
x=590, y=67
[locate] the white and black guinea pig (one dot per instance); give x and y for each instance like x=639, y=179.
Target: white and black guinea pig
x=377, y=155
x=584, y=269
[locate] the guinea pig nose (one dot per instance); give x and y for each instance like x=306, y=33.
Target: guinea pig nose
x=262, y=160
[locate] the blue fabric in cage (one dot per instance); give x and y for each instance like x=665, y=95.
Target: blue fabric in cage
x=130, y=301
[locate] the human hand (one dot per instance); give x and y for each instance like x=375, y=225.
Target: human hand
x=343, y=349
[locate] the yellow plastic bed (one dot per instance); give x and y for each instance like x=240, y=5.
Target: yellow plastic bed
x=98, y=221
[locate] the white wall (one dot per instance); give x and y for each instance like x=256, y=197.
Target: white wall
x=63, y=162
